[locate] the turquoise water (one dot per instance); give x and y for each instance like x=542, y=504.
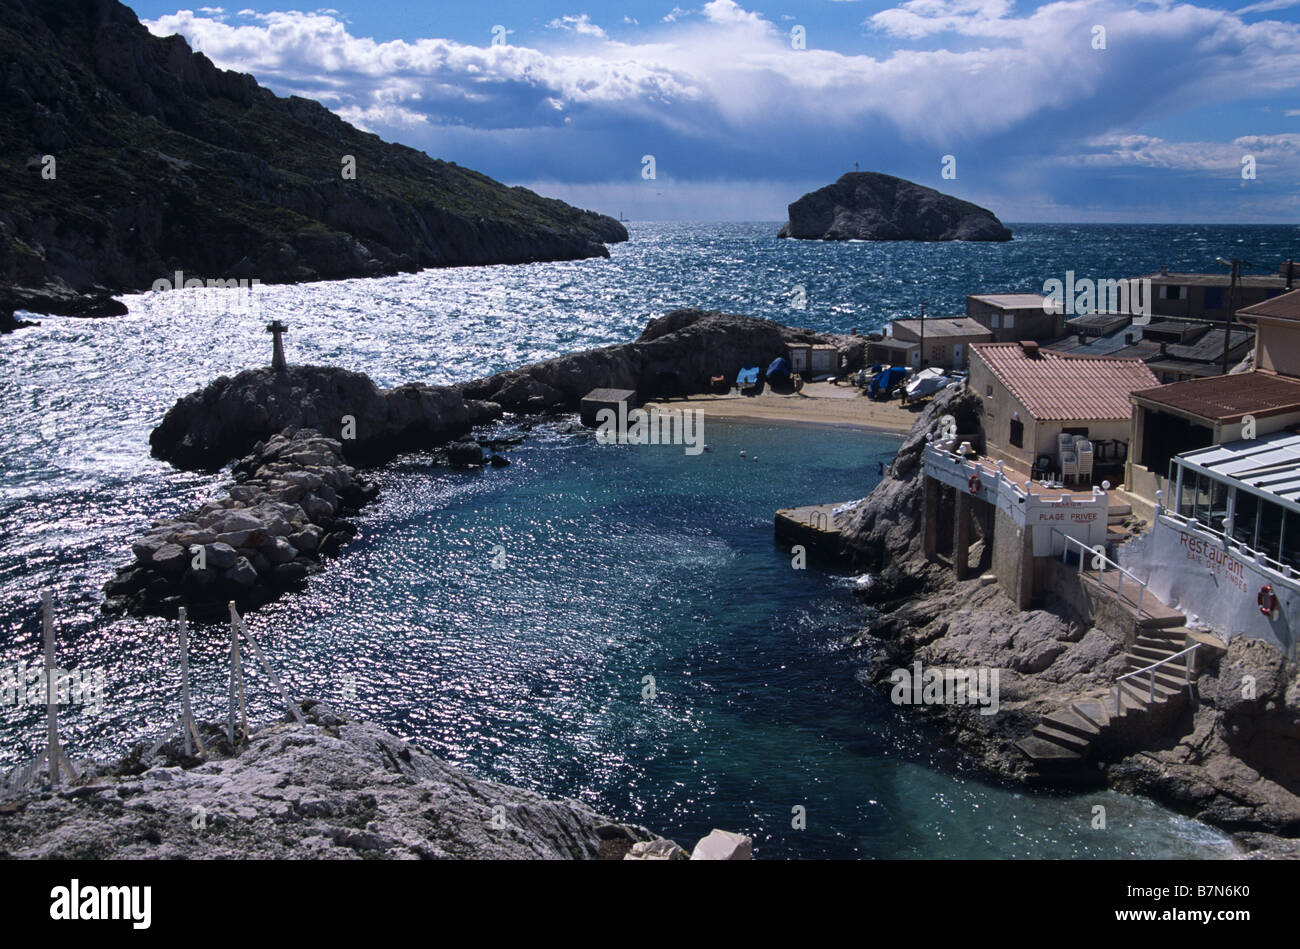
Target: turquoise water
x=617, y=562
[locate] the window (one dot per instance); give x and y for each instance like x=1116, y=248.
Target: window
x=1214, y=298
x=1245, y=517
x=1010, y=321
x=1171, y=292
x=996, y=320
x=1270, y=529
x=1017, y=433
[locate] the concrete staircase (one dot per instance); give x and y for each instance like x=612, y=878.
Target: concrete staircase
x=1066, y=737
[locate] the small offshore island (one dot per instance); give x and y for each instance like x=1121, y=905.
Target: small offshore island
x=870, y=206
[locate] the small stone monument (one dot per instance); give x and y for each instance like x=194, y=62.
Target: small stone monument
x=277, y=331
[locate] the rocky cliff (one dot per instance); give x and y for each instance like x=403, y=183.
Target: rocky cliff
x=1230, y=760
x=128, y=156
x=329, y=788
x=873, y=207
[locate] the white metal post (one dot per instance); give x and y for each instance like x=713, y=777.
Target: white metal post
x=187, y=717
x=51, y=700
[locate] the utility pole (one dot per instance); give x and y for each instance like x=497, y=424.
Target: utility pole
x=1236, y=265
x=922, y=364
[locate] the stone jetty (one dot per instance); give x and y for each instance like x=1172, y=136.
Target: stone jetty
x=284, y=513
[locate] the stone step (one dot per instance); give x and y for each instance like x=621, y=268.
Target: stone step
x=1044, y=753
x=1151, y=654
x=1142, y=688
x=1093, y=710
x=1130, y=704
x=1123, y=510
x=1070, y=721
x=1155, y=620
x=1169, y=634
x=1064, y=739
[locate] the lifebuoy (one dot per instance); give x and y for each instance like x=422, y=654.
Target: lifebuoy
x=1267, y=600
x=974, y=484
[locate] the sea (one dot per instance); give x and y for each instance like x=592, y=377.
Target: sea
x=608, y=623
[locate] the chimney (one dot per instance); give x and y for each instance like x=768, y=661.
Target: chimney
x=1128, y=339
x=1030, y=348
x=1163, y=348
x=1289, y=269
x=1083, y=339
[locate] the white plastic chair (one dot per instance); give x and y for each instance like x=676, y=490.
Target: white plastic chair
x=1083, y=448
x=1064, y=443
x=1069, y=465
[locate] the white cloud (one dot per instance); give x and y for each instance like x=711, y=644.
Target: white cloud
x=725, y=87
x=1269, y=151
x=580, y=24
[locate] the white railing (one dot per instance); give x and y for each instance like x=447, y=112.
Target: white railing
x=1229, y=541
x=1151, y=672
x=1100, y=562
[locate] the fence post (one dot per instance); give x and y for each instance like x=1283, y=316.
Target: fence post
x=187, y=717
x=52, y=751
x=236, y=679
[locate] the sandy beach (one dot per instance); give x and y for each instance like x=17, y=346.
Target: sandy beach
x=818, y=403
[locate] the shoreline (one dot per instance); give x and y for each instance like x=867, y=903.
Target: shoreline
x=823, y=405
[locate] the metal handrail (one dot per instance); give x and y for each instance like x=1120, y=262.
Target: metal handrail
x=1151, y=685
x=1119, y=586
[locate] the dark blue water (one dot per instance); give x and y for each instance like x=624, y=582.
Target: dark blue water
x=617, y=562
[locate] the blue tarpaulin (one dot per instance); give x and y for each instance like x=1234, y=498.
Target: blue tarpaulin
x=747, y=377
x=779, y=371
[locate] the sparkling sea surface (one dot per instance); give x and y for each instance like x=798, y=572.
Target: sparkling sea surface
x=507, y=619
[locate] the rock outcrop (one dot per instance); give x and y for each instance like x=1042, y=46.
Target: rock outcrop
x=870, y=206
x=331, y=788
x=137, y=157
x=283, y=514
x=223, y=420
x=674, y=356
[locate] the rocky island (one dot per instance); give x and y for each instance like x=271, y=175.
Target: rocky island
x=140, y=158
x=869, y=206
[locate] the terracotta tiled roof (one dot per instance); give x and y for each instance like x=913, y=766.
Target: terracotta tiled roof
x=1062, y=386
x=1285, y=307
x=1229, y=398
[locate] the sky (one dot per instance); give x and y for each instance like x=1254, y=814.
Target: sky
x=1083, y=110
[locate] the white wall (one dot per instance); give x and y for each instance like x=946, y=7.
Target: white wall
x=1192, y=571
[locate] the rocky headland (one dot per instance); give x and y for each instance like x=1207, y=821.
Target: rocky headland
x=328, y=788
x=870, y=206
x=133, y=157
x=1228, y=760
x=299, y=432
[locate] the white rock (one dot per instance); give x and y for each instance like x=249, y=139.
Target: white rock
x=723, y=845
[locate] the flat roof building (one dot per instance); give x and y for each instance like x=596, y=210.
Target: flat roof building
x=1015, y=316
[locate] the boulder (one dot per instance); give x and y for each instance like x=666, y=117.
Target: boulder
x=242, y=573
x=659, y=849
x=464, y=454
x=723, y=845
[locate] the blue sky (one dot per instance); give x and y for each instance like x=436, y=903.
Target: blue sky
x=1082, y=110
